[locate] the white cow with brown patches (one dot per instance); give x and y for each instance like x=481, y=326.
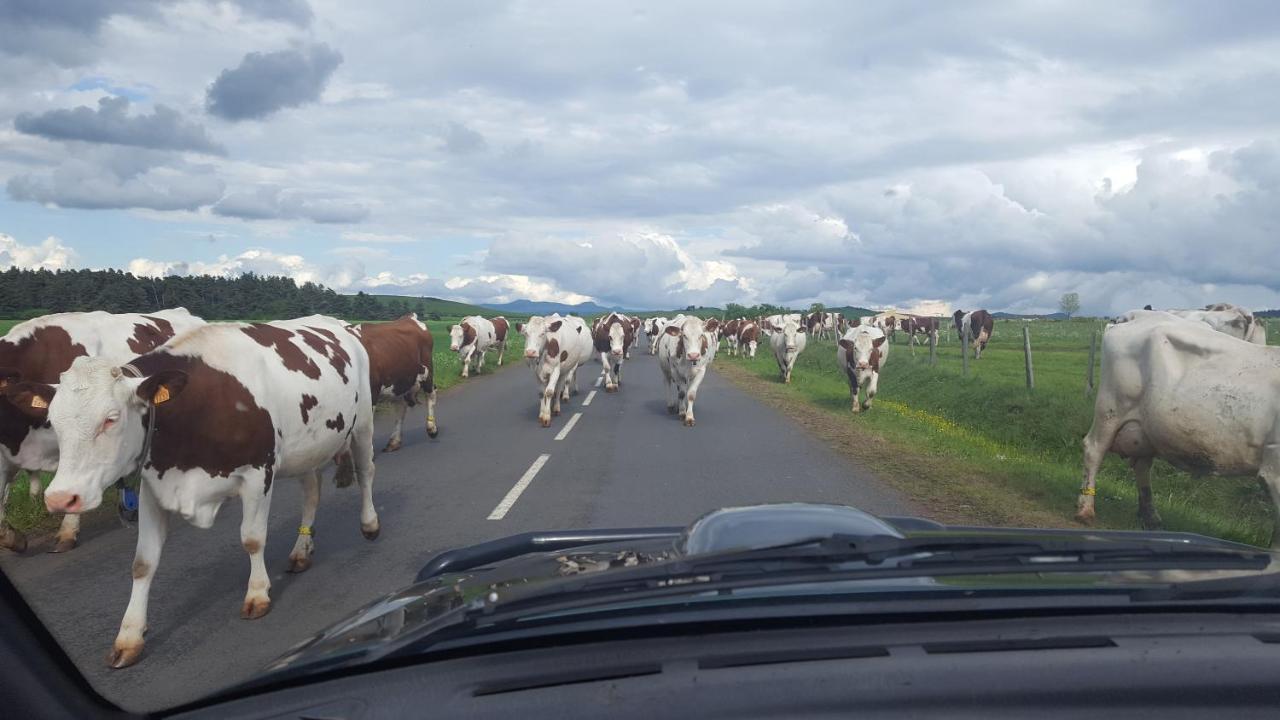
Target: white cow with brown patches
x=1183, y=392
x=471, y=338
x=234, y=406
x=555, y=347
x=788, y=343
x=653, y=329
x=861, y=353
x=684, y=352
x=40, y=350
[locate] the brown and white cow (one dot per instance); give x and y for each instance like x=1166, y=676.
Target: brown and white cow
x=400, y=362
x=653, y=330
x=612, y=335
x=684, y=352
x=730, y=334
x=636, y=324
x=1185, y=393
x=814, y=324
x=748, y=338
x=471, y=339
x=229, y=408
x=914, y=325
x=788, y=343
x=980, y=325
x=861, y=352
x=39, y=350
x=555, y=347
x=500, y=329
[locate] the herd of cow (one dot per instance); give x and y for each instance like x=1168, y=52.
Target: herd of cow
x=201, y=412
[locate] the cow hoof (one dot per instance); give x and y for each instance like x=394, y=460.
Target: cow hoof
x=12, y=539
x=1152, y=522
x=392, y=446
x=555, y=413
x=856, y=408
x=1086, y=516
x=299, y=564
x=370, y=533
x=544, y=422
x=63, y=545
x=124, y=656
x=255, y=608
x=688, y=421
x=432, y=432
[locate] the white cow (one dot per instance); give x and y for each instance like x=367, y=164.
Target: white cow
x=555, y=347
x=1223, y=317
x=788, y=343
x=861, y=353
x=653, y=330
x=39, y=350
x=1181, y=391
x=224, y=400
x=471, y=338
x=684, y=352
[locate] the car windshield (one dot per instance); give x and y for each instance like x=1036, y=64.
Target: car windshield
x=296, y=295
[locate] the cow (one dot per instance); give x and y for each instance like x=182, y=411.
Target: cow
x=500, y=329
x=861, y=352
x=471, y=338
x=1192, y=396
x=788, y=343
x=555, y=346
x=914, y=325
x=653, y=329
x=41, y=349
x=713, y=326
x=612, y=335
x=730, y=334
x=1223, y=317
x=220, y=411
x=980, y=326
x=684, y=352
x=748, y=338
x=636, y=324
x=814, y=324
x=400, y=362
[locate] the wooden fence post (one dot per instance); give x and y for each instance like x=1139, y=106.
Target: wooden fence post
x=1093, y=348
x=964, y=353
x=1026, y=351
x=933, y=348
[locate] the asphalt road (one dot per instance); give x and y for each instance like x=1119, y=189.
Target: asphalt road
x=624, y=462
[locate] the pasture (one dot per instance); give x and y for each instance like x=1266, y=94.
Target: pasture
x=989, y=426
x=27, y=514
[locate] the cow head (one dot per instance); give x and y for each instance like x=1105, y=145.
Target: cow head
x=862, y=351
x=99, y=418
x=791, y=332
x=617, y=339
x=692, y=343
x=461, y=335
x=535, y=336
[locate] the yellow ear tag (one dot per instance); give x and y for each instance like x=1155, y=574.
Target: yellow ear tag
x=162, y=395
x=38, y=402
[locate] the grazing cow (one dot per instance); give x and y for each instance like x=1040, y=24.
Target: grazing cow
x=471, y=338
x=1187, y=394
x=555, y=346
x=861, y=352
x=400, y=361
x=914, y=325
x=731, y=334
x=220, y=411
x=500, y=328
x=748, y=338
x=39, y=351
x=788, y=343
x=653, y=329
x=980, y=326
x=612, y=335
x=684, y=352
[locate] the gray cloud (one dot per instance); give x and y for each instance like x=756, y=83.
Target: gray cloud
x=163, y=129
x=109, y=179
x=462, y=140
x=264, y=83
x=270, y=202
x=297, y=12
x=62, y=32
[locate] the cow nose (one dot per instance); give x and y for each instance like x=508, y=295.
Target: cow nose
x=617, y=353
x=694, y=355
x=791, y=348
x=864, y=366
x=64, y=502
x=531, y=354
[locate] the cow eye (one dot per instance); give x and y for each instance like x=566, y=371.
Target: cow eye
x=108, y=422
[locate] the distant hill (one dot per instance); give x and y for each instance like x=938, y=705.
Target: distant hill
x=1015, y=316
x=444, y=308
x=533, y=307
x=1267, y=313
x=851, y=311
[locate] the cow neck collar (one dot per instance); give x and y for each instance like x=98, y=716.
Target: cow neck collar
x=134, y=479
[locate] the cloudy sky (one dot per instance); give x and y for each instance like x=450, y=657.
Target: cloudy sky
x=654, y=155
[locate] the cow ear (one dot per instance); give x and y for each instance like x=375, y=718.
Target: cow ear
x=162, y=387
x=878, y=341
x=846, y=344
x=672, y=331
x=555, y=325
x=519, y=327
x=31, y=398
x=9, y=376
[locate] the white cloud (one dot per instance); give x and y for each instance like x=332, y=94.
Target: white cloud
x=48, y=255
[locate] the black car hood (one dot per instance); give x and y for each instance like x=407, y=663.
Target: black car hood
x=465, y=579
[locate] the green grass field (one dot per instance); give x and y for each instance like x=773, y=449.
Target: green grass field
x=28, y=514
x=990, y=426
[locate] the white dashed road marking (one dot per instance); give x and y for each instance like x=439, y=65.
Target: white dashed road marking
x=590, y=396
x=514, y=494
x=599, y=380
x=569, y=425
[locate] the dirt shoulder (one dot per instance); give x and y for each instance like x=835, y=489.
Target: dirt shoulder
x=945, y=489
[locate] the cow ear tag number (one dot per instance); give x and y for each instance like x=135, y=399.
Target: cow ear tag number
x=161, y=396
x=38, y=402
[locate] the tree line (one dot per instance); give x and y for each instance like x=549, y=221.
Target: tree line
x=29, y=293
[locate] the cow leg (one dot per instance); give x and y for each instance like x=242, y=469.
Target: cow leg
x=1269, y=471
x=672, y=391
x=1096, y=444
x=432, y=429
x=9, y=538
x=362, y=454
x=604, y=372
x=502, y=351
x=402, y=407
x=544, y=403
x=617, y=372
x=853, y=391
x=480, y=361
x=465, y=355
x=873, y=386
x=690, y=395
x=153, y=526
x=1146, y=506
x=256, y=504
x=68, y=531
x=304, y=546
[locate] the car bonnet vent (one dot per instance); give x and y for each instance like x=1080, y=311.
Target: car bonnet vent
x=568, y=677
x=1002, y=645
x=779, y=657
x=769, y=526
